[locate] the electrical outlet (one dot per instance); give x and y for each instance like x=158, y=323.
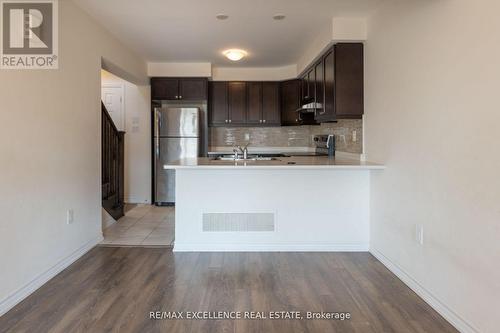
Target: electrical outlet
x=247, y=136
x=419, y=234
x=70, y=216
x=354, y=138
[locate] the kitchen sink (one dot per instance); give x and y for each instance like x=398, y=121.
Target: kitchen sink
x=222, y=155
x=249, y=158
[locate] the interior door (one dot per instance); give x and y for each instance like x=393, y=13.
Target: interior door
x=112, y=97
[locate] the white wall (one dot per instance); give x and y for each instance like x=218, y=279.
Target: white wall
x=321, y=41
x=349, y=29
x=218, y=73
x=50, y=155
x=340, y=29
x=254, y=73
x=432, y=116
x=137, y=105
x=180, y=69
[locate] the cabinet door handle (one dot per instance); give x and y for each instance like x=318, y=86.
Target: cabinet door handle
x=264, y=121
x=229, y=120
x=176, y=97
x=226, y=120
x=180, y=97
x=260, y=121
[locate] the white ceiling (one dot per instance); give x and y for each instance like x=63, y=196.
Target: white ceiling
x=187, y=30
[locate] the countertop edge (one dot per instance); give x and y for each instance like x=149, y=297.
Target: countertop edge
x=286, y=163
x=270, y=167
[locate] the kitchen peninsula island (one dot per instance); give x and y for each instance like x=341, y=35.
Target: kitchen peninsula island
x=301, y=203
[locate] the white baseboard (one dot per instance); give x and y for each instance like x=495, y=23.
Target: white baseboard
x=135, y=200
x=241, y=247
x=10, y=301
x=452, y=317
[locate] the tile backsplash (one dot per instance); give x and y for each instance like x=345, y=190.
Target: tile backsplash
x=291, y=136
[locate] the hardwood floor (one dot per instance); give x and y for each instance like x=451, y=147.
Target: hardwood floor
x=114, y=290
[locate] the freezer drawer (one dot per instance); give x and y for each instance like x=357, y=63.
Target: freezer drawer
x=171, y=149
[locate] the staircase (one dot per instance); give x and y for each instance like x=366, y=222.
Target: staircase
x=112, y=150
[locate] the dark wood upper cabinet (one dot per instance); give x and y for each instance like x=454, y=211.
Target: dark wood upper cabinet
x=245, y=104
x=193, y=89
x=178, y=88
x=328, y=111
x=290, y=101
x=164, y=88
x=219, y=111
x=308, y=81
x=340, y=89
x=319, y=83
x=304, y=90
x=254, y=113
x=271, y=113
x=349, y=77
x=335, y=82
x=237, y=97
x=311, y=84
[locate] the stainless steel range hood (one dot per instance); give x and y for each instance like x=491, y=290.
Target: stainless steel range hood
x=310, y=107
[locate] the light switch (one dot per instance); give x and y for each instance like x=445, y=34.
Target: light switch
x=70, y=216
x=419, y=234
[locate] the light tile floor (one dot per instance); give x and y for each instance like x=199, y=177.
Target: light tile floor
x=143, y=225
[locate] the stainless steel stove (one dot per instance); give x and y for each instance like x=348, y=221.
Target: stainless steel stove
x=325, y=145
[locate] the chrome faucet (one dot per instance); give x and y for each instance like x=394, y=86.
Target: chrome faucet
x=236, y=152
x=243, y=150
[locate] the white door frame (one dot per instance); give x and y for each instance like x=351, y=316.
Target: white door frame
x=122, y=102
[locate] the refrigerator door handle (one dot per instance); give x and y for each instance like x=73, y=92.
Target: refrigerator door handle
x=157, y=122
x=157, y=147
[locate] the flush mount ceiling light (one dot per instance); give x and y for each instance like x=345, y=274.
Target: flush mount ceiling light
x=221, y=16
x=279, y=17
x=235, y=54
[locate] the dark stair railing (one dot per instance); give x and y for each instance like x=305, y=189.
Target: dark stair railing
x=112, y=150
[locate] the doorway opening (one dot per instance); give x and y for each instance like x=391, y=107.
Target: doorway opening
x=127, y=110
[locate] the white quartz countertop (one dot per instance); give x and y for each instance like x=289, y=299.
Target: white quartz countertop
x=294, y=162
x=262, y=150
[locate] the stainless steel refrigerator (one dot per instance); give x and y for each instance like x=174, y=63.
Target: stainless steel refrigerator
x=176, y=136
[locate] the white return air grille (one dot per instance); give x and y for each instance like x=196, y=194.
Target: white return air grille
x=238, y=222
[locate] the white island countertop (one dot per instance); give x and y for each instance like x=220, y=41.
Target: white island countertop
x=294, y=162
